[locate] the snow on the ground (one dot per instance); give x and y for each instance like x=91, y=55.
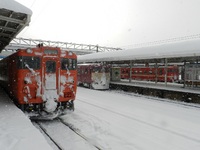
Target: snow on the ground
x=159, y=85
x=16, y=130
x=65, y=137
x=111, y=120
x=118, y=121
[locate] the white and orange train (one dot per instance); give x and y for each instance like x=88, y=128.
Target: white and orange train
x=42, y=81
x=94, y=76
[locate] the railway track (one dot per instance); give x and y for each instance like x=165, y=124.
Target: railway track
x=143, y=122
x=55, y=133
x=52, y=142
x=78, y=133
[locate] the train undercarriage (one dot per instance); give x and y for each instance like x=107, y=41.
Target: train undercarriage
x=38, y=111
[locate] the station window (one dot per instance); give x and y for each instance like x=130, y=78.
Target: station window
x=26, y=62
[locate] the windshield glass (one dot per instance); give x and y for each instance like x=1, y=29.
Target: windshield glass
x=50, y=67
x=70, y=64
x=32, y=62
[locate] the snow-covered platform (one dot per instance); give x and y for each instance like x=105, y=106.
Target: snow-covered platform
x=173, y=91
x=16, y=130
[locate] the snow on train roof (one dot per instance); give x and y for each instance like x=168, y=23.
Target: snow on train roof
x=189, y=48
x=15, y=6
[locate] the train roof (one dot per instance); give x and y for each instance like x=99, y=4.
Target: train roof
x=174, y=52
x=91, y=64
x=14, y=17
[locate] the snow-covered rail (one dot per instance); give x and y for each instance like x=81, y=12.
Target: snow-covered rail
x=44, y=132
x=145, y=123
x=57, y=131
x=79, y=133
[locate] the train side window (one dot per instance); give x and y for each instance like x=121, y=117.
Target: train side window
x=25, y=62
x=160, y=72
x=169, y=70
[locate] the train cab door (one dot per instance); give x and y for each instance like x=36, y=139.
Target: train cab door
x=50, y=77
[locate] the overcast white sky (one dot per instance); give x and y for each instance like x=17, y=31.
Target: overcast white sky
x=116, y=23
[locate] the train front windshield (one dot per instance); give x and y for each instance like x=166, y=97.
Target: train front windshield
x=68, y=64
x=100, y=69
x=25, y=62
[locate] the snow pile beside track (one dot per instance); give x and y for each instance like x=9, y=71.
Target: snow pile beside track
x=16, y=130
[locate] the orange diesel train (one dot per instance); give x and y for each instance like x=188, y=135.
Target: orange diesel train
x=151, y=73
x=42, y=81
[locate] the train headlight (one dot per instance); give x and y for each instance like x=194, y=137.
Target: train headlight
x=29, y=50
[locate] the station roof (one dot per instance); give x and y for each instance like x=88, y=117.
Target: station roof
x=174, y=52
x=14, y=17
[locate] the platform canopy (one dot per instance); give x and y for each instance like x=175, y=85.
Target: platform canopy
x=14, y=17
x=174, y=52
